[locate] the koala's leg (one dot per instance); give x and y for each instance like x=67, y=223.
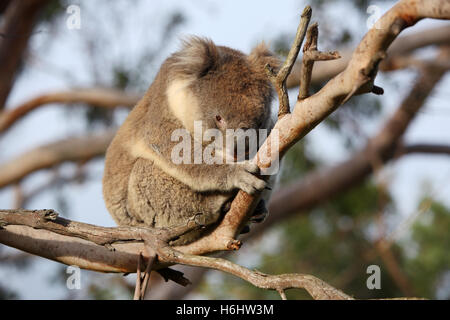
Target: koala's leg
x=258, y=216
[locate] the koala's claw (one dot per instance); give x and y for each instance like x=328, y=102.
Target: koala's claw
x=246, y=180
x=250, y=183
x=251, y=167
x=244, y=177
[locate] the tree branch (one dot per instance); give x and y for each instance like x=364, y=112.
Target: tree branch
x=310, y=55
x=99, y=97
x=424, y=148
x=321, y=185
x=72, y=149
x=43, y=233
x=402, y=46
x=279, y=79
x=15, y=30
x=317, y=288
x=110, y=98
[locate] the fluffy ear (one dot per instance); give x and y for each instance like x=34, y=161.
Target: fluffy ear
x=196, y=57
x=261, y=55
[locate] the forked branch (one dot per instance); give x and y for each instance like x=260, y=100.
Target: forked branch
x=279, y=79
x=121, y=249
x=310, y=55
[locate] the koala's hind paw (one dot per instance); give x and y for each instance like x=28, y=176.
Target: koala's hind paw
x=260, y=213
x=245, y=229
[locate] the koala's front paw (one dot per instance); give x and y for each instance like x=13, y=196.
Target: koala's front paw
x=244, y=178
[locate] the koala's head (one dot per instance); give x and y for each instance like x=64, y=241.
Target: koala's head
x=221, y=87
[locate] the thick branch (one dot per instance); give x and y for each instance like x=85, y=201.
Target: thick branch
x=118, y=250
x=44, y=233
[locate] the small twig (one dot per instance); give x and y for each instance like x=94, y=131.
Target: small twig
x=310, y=55
x=317, y=288
x=279, y=79
x=137, y=289
x=148, y=270
x=19, y=197
x=282, y=294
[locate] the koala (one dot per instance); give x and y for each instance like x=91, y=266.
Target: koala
x=220, y=87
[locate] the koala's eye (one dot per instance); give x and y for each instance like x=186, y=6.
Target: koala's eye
x=220, y=122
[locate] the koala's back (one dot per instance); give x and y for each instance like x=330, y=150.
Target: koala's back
x=156, y=199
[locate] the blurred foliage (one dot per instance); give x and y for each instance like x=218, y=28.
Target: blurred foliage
x=108, y=291
x=52, y=11
x=359, y=4
x=16, y=260
x=347, y=120
x=431, y=262
x=110, y=287
x=296, y=162
x=6, y=293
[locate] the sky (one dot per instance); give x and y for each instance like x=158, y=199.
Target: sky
x=238, y=24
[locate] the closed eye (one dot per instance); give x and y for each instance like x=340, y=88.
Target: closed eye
x=220, y=122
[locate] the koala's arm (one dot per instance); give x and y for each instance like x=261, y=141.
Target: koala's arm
x=202, y=177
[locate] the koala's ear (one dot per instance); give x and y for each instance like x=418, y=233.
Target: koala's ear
x=196, y=57
x=261, y=55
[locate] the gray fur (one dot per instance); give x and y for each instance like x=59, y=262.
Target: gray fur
x=141, y=185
